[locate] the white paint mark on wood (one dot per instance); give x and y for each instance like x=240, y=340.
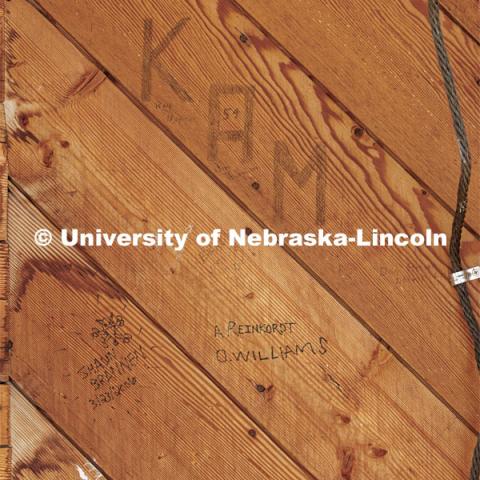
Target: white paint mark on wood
x=81, y=473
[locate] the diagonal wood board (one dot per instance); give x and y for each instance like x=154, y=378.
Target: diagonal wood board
x=380, y=191
x=210, y=114
x=41, y=451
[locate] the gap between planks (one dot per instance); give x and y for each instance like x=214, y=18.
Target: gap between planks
x=7, y=446
x=166, y=141
x=351, y=114
x=94, y=265
x=302, y=263
x=291, y=57
x=449, y=12
x=167, y=131
x=57, y=427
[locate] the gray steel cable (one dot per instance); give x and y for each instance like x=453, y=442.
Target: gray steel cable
x=462, y=193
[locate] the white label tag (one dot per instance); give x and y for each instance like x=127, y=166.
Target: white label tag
x=466, y=275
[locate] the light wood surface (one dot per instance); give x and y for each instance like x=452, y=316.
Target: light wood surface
x=4, y=415
x=141, y=408
x=344, y=387
x=379, y=60
x=5, y=463
x=467, y=13
x=424, y=330
x=122, y=167
x=195, y=115
x=4, y=339
x=5, y=452
x=40, y=451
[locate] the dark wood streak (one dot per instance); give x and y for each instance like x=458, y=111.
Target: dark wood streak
x=347, y=462
x=24, y=136
x=377, y=452
x=88, y=83
x=379, y=161
x=326, y=115
x=47, y=458
x=76, y=276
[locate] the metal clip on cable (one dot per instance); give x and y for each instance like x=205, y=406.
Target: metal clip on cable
x=466, y=275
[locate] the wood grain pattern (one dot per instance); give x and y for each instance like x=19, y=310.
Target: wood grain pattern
x=141, y=408
x=326, y=408
x=372, y=416
x=365, y=186
x=378, y=59
x=3, y=130
x=2, y=54
x=3, y=181
x=4, y=337
x=3, y=208
x=40, y=451
x=5, y=463
x=4, y=414
x=4, y=344
x=467, y=13
x=4, y=432
x=5, y=451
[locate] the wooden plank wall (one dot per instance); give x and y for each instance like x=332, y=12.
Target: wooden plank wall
x=5, y=450
x=398, y=84
x=466, y=12
x=40, y=450
x=390, y=199
x=233, y=114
